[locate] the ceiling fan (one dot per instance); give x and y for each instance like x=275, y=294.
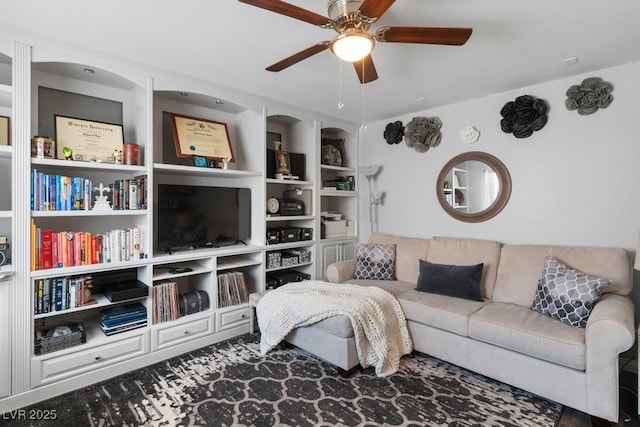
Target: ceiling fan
x=351, y=19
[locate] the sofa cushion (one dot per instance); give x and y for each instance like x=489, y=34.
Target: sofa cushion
x=566, y=294
x=526, y=331
x=408, y=251
x=520, y=266
x=374, y=261
x=459, y=251
x=460, y=281
x=439, y=311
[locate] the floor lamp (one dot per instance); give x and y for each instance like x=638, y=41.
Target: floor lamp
x=375, y=196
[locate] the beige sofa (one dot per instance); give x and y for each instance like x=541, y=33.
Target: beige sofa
x=501, y=337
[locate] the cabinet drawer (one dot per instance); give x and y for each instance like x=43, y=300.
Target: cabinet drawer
x=233, y=318
x=165, y=336
x=46, y=370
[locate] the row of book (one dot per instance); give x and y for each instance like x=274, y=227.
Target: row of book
x=58, y=249
x=59, y=337
x=62, y=293
x=232, y=289
x=123, y=318
x=66, y=193
x=165, y=302
x=129, y=194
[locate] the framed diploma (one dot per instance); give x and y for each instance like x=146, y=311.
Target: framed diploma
x=200, y=137
x=88, y=141
x=5, y=131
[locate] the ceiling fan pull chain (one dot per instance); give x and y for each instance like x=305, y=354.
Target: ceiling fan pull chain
x=340, y=103
x=364, y=124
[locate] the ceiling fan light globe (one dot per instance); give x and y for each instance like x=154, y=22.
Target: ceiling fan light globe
x=352, y=46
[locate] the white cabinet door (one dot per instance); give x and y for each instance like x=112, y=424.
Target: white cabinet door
x=334, y=252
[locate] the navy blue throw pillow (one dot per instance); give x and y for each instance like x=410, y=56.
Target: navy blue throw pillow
x=460, y=281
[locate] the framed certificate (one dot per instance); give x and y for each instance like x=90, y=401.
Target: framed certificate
x=5, y=131
x=88, y=140
x=200, y=137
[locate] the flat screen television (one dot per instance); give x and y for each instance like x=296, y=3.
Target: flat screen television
x=192, y=216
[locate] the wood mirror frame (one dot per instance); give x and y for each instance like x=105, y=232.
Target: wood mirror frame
x=501, y=199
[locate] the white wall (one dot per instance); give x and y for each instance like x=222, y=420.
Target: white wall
x=575, y=182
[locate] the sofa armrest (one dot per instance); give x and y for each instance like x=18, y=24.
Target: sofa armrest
x=609, y=332
x=341, y=271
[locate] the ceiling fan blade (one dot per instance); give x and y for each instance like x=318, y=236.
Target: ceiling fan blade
x=289, y=10
x=366, y=70
x=297, y=57
x=375, y=8
x=447, y=36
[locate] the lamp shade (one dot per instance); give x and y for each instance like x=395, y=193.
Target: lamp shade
x=352, y=45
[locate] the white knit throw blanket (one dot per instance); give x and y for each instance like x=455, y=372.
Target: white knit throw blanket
x=379, y=325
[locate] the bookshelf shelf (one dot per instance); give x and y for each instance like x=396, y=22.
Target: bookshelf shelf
x=90, y=166
x=101, y=302
x=89, y=213
x=193, y=170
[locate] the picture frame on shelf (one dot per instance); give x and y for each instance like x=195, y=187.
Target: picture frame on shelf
x=5, y=130
x=283, y=163
x=195, y=136
x=200, y=161
x=88, y=140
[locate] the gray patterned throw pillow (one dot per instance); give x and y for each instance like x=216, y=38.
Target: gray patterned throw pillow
x=566, y=294
x=375, y=261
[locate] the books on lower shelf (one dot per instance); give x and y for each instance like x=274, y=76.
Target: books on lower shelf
x=165, y=302
x=62, y=293
x=232, y=289
x=58, y=337
x=123, y=318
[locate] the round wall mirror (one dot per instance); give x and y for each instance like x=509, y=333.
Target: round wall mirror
x=473, y=186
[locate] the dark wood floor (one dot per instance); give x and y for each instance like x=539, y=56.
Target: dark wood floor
x=628, y=406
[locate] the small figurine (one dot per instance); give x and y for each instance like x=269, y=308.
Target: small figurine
x=117, y=157
x=226, y=161
x=68, y=154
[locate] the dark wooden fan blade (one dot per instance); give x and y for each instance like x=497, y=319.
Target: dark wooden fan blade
x=297, y=57
x=289, y=10
x=366, y=70
x=375, y=8
x=448, y=36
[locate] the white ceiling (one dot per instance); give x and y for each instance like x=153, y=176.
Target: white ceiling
x=515, y=43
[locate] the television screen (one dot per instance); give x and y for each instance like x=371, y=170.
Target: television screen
x=201, y=216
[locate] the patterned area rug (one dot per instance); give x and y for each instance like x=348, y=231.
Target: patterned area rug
x=230, y=384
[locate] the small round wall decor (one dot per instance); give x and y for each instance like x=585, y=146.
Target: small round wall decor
x=523, y=116
x=589, y=96
x=393, y=132
x=422, y=133
x=469, y=135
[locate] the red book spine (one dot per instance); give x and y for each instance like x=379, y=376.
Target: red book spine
x=46, y=260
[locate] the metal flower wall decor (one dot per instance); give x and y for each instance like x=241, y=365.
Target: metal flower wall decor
x=469, y=135
x=422, y=133
x=524, y=116
x=593, y=93
x=393, y=132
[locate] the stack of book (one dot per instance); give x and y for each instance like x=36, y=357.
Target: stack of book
x=165, y=302
x=232, y=289
x=59, y=337
x=123, y=318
